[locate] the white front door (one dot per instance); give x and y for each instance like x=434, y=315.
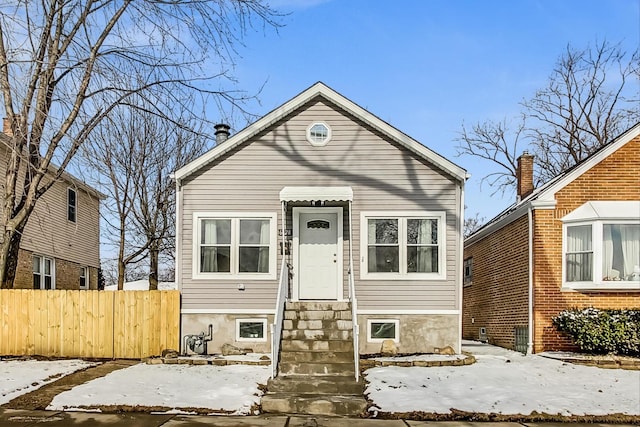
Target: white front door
x=318, y=253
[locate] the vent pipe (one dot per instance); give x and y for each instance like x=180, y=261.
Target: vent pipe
x=222, y=132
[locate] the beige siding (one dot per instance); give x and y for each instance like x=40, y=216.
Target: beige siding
x=383, y=176
x=49, y=233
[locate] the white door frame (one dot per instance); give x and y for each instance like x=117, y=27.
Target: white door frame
x=296, y=249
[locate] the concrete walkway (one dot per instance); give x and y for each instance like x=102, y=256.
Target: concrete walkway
x=24, y=418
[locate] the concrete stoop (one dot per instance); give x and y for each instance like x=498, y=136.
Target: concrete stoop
x=316, y=369
x=315, y=395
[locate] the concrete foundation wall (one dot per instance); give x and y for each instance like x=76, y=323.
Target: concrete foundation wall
x=418, y=333
x=224, y=331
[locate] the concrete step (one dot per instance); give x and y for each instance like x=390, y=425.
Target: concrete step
x=319, y=368
x=316, y=345
x=318, y=306
x=317, y=334
x=321, y=404
x=316, y=356
x=320, y=384
x=318, y=315
x=341, y=324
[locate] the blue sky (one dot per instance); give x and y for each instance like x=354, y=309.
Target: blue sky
x=427, y=66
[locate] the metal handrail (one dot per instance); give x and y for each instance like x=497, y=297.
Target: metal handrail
x=354, y=302
x=276, y=327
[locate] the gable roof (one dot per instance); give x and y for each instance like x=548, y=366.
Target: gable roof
x=5, y=143
x=319, y=89
x=544, y=196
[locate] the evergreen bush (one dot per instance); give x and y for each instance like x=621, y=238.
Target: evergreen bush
x=602, y=331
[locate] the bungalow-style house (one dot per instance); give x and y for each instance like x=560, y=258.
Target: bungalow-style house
x=60, y=248
x=571, y=243
x=322, y=219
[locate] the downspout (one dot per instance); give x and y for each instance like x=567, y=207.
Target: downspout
x=530, y=248
x=459, y=259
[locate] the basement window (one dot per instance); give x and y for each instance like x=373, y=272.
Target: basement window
x=251, y=329
x=384, y=329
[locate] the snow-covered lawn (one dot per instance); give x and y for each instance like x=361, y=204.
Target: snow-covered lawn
x=501, y=381
x=18, y=377
x=505, y=382
x=224, y=389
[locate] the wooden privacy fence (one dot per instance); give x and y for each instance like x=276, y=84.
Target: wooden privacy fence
x=100, y=324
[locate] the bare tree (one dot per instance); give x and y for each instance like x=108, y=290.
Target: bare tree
x=496, y=142
x=589, y=100
x=163, y=148
x=472, y=224
x=132, y=156
x=61, y=64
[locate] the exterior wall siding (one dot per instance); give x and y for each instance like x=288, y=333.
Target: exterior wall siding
x=383, y=176
x=497, y=298
x=48, y=232
x=615, y=178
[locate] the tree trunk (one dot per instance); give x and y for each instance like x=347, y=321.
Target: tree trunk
x=121, y=269
x=9, y=250
x=153, y=266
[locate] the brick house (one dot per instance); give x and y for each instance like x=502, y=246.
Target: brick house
x=574, y=242
x=60, y=248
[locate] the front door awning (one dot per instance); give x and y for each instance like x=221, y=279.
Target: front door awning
x=317, y=194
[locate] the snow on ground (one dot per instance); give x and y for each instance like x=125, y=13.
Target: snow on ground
x=232, y=388
x=501, y=381
x=505, y=382
x=18, y=377
x=142, y=285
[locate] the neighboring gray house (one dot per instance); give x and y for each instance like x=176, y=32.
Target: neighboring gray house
x=370, y=221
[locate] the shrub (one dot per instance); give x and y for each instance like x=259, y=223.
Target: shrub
x=602, y=331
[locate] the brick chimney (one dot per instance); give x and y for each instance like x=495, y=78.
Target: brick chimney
x=222, y=133
x=6, y=126
x=524, y=175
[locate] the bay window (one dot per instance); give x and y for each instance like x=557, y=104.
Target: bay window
x=403, y=245
x=602, y=246
x=234, y=245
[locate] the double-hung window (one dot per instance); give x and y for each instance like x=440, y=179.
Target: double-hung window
x=43, y=273
x=601, y=246
x=84, y=277
x=241, y=245
x=72, y=205
x=403, y=245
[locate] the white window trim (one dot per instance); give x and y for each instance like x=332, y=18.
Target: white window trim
x=316, y=143
x=597, y=284
x=75, y=206
x=273, y=237
x=53, y=271
x=374, y=340
x=87, y=285
x=257, y=320
x=402, y=274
